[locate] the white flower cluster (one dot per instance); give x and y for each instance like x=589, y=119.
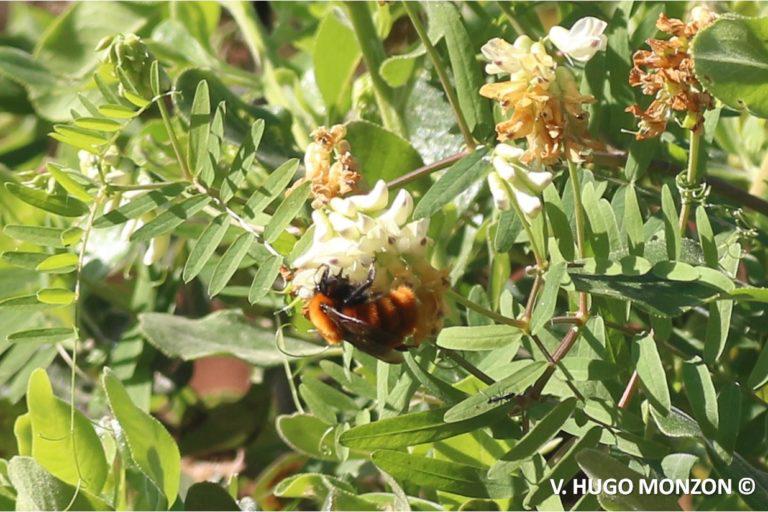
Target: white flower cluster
x=522, y=60
x=352, y=233
x=582, y=41
x=510, y=178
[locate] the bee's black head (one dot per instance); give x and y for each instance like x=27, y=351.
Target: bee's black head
x=341, y=290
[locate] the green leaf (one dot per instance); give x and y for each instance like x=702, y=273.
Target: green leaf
x=50, y=237
x=56, y=296
x=497, y=394
x=481, y=337
x=42, y=336
x=68, y=183
x=647, y=362
x=676, y=423
x=599, y=466
x=545, y=306
x=656, y=295
x=706, y=237
x=532, y=441
x=151, y=446
x=37, y=489
x=408, y=430
x=286, y=212
x=209, y=496
x=458, y=178
x=268, y=191
x=229, y=263
x=507, y=231
x=23, y=302
x=671, y=232
x=739, y=469
x=58, y=204
x=633, y=221
x=759, y=375
x=397, y=69
x=58, y=263
x=118, y=111
x=72, y=456
x=701, y=395
x=222, y=332
x=335, y=55
x=171, y=218
x=441, y=475
x=98, y=123
x=383, y=154
x=28, y=260
x=729, y=413
x=563, y=470
x=264, y=279
x=205, y=246
x=199, y=128
x=309, y=485
x=467, y=75
x=138, y=206
x=79, y=137
x=307, y=434
x=731, y=60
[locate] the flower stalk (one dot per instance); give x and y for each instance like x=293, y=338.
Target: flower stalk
x=373, y=56
x=434, y=56
x=692, y=177
x=573, y=173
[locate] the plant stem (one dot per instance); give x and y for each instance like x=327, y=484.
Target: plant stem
x=629, y=391
x=373, y=56
x=532, y=297
x=510, y=15
x=145, y=186
x=472, y=369
x=692, y=177
x=415, y=174
x=562, y=350
x=264, y=57
x=174, y=140
x=487, y=312
x=450, y=93
x=573, y=173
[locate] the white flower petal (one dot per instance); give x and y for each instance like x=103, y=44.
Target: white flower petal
x=498, y=191
x=374, y=200
x=530, y=204
x=400, y=210
x=582, y=41
x=343, y=206
x=323, y=228
x=504, y=168
x=344, y=226
x=509, y=152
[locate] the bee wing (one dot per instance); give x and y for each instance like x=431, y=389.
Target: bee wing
x=364, y=336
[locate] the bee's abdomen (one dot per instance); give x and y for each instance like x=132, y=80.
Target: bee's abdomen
x=404, y=301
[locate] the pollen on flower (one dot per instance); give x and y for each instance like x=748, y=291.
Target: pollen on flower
x=666, y=72
x=359, y=241
x=543, y=99
x=330, y=166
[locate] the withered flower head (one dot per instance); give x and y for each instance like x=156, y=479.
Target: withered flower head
x=330, y=166
x=545, y=103
x=666, y=72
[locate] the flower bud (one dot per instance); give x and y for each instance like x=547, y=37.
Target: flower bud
x=132, y=62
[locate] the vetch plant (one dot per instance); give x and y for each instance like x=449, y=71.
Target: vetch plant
x=393, y=255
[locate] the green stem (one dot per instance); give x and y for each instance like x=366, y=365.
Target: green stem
x=373, y=56
x=487, y=312
x=406, y=178
x=263, y=56
x=413, y=13
x=692, y=178
x=510, y=15
x=174, y=140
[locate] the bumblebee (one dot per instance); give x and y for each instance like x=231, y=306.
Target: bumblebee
x=376, y=323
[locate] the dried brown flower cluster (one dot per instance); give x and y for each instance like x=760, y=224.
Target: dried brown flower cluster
x=666, y=72
x=330, y=166
x=545, y=102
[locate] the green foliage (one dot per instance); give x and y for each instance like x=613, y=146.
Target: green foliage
x=155, y=198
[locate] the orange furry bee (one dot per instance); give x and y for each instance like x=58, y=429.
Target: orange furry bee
x=374, y=323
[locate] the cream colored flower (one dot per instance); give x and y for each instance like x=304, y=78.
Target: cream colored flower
x=355, y=234
x=510, y=176
x=582, y=41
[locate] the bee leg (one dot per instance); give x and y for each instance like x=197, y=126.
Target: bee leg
x=359, y=293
